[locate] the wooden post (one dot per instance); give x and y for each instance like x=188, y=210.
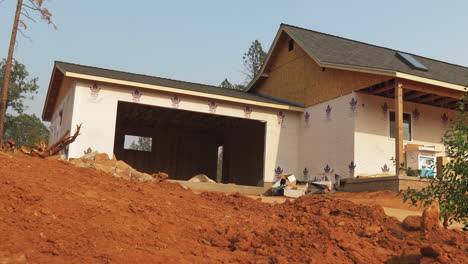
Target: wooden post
x=398, y=126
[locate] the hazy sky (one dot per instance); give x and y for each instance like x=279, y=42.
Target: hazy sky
x=203, y=41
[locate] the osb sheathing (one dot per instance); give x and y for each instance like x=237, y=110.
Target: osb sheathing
x=65, y=86
x=295, y=76
x=285, y=71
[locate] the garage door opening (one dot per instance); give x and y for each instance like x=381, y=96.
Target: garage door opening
x=184, y=143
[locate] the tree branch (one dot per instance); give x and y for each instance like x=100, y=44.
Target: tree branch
x=24, y=35
x=27, y=16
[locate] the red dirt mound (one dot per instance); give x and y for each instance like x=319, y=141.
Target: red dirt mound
x=53, y=212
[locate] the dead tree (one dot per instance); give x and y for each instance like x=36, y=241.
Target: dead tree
x=21, y=14
x=43, y=151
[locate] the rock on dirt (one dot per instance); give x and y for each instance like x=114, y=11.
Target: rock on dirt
x=412, y=222
x=432, y=252
x=370, y=231
x=117, y=168
x=160, y=176
x=201, y=178
x=430, y=217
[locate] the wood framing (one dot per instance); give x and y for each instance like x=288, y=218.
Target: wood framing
x=428, y=99
x=383, y=89
x=398, y=126
x=415, y=95
x=297, y=77
x=431, y=89
x=445, y=101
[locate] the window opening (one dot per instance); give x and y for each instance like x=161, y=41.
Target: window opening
x=407, y=133
x=138, y=143
x=290, y=45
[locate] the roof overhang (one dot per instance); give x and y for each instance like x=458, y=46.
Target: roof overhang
x=384, y=72
x=55, y=82
x=52, y=93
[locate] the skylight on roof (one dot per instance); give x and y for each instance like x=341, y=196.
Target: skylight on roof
x=411, y=61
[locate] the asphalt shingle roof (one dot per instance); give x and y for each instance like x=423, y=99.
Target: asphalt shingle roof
x=133, y=77
x=337, y=50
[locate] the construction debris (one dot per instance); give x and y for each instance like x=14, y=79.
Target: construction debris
x=117, y=168
x=295, y=191
x=43, y=151
x=8, y=146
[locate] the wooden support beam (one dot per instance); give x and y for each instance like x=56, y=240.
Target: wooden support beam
x=445, y=101
x=453, y=105
x=415, y=95
x=398, y=126
x=428, y=99
x=383, y=89
x=444, y=92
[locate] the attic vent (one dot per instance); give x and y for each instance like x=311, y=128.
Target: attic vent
x=411, y=61
x=291, y=44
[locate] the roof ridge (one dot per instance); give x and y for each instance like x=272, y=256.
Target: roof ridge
x=369, y=44
x=151, y=76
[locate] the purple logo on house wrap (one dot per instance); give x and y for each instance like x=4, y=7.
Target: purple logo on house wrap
x=212, y=106
x=416, y=114
x=280, y=116
x=247, y=111
x=94, y=90
x=327, y=169
x=351, y=168
x=307, y=117
x=385, y=108
x=136, y=95
x=278, y=171
x=385, y=168
x=445, y=119
x=353, y=104
x=88, y=151
x=328, y=112
x=175, y=101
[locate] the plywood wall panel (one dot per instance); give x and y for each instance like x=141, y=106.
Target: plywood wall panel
x=296, y=77
x=286, y=73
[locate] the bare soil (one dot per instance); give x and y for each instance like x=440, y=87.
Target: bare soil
x=54, y=212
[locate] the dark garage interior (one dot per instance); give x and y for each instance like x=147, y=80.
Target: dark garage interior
x=184, y=143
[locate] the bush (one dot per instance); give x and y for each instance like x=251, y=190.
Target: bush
x=450, y=186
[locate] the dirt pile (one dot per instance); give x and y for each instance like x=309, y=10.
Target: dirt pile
x=54, y=212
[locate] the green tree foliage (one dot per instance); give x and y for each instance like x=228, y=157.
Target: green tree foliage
x=25, y=130
x=450, y=186
x=253, y=61
x=21, y=86
x=229, y=85
x=143, y=144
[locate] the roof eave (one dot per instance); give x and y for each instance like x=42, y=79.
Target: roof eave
x=178, y=90
x=47, y=101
